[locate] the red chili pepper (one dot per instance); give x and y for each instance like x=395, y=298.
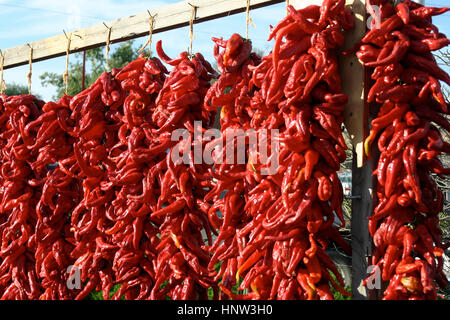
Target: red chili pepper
x=387, y=26
x=302, y=21
x=402, y=11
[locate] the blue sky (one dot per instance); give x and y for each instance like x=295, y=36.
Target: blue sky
x=23, y=21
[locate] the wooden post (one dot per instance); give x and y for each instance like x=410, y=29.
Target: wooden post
x=352, y=75
x=356, y=116
x=361, y=240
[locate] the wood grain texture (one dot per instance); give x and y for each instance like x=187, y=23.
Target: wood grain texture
x=356, y=118
x=352, y=74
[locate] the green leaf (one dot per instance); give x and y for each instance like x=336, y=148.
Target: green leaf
x=98, y=295
x=336, y=294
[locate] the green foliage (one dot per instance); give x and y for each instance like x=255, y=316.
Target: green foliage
x=336, y=294
x=123, y=55
x=98, y=295
x=95, y=295
x=234, y=289
x=15, y=89
x=95, y=66
x=210, y=293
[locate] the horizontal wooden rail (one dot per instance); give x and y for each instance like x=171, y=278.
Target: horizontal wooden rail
x=167, y=18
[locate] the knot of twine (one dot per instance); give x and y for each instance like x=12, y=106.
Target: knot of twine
x=151, y=22
x=66, y=73
x=248, y=19
x=30, y=70
x=108, y=42
x=191, y=26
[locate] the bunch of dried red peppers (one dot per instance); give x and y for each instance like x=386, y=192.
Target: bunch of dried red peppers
x=407, y=239
x=274, y=236
x=91, y=188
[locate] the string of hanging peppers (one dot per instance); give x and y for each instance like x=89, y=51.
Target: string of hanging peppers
x=275, y=236
x=92, y=191
x=407, y=239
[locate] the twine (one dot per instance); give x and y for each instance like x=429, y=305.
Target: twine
x=248, y=19
x=108, y=42
x=151, y=22
x=30, y=70
x=191, y=27
x=83, y=72
x=66, y=73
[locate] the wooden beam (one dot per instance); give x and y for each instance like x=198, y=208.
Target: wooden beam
x=357, y=118
x=167, y=18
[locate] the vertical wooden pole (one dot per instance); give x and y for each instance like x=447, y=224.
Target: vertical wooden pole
x=353, y=77
x=356, y=116
x=361, y=240
x=362, y=186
